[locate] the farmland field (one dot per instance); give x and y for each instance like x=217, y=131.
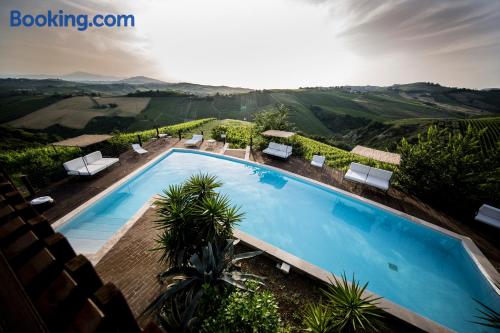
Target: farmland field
x=13, y=107
x=77, y=112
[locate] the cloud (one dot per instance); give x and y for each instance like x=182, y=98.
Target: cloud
x=112, y=51
x=415, y=26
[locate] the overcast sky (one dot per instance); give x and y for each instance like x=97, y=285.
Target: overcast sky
x=267, y=43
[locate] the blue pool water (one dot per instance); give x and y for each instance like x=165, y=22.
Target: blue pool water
x=406, y=263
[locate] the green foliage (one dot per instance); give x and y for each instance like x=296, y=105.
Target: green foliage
x=237, y=135
x=345, y=309
x=352, y=312
x=335, y=157
x=191, y=215
x=172, y=130
x=42, y=164
x=245, y=311
x=489, y=317
x=276, y=119
x=210, y=270
x=318, y=318
x=446, y=168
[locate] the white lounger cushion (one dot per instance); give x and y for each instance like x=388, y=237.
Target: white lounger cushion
x=108, y=161
x=138, y=149
x=89, y=170
x=89, y=164
x=318, y=161
x=93, y=157
x=357, y=172
x=371, y=176
x=379, y=178
x=356, y=176
x=279, y=150
x=197, y=138
x=489, y=215
x=74, y=164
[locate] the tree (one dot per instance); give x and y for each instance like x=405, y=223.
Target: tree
x=191, y=215
x=276, y=119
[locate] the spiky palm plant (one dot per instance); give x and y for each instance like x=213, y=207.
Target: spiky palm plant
x=489, y=317
x=351, y=311
x=318, y=318
x=192, y=214
x=212, y=268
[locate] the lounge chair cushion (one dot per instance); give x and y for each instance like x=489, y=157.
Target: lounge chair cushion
x=489, y=215
x=89, y=170
x=356, y=176
x=138, y=149
x=359, y=168
x=379, y=178
x=318, y=161
x=197, y=138
x=93, y=157
x=74, y=164
x=279, y=150
x=108, y=161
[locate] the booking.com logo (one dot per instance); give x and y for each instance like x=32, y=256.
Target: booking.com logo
x=61, y=20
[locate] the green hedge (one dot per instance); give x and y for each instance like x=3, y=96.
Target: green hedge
x=335, y=157
x=120, y=142
x=239, y=136
x=44, y=164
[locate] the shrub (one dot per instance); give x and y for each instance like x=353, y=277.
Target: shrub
x=318, y=318
x=191, y=215
x=335, y=157
x=42, y=164
x=446, y=167
x=238, y=135
x=351, y=310
x=245, y=311
x=345, y=309
x=207, y=273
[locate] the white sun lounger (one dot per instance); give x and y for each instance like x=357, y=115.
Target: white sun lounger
x=138, y=149
x=318, y=161
x=370, y=176
x=195, y=140
x=357, y=172
x=489, y=215
x=379, y=178
x=278, y=150
x=89, y=165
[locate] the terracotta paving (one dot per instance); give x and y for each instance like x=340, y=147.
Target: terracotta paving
x=133, y=267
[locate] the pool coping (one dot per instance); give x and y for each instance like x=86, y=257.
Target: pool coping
x=483, y=264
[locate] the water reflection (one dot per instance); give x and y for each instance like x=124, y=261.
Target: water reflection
x=270, y=178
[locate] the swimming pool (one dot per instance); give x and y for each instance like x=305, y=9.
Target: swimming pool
x=418, y=268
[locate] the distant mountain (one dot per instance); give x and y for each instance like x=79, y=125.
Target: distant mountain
x=88, y=77
x=141, y=80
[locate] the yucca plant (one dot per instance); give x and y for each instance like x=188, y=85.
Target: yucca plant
x=213, y=268
x=489, y=317
x=318, y=318
x=191, y=215
x=351, y=310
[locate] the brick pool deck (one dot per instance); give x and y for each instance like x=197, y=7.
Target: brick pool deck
x=133, y=267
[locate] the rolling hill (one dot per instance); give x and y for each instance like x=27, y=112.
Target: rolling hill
x=376, y=116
